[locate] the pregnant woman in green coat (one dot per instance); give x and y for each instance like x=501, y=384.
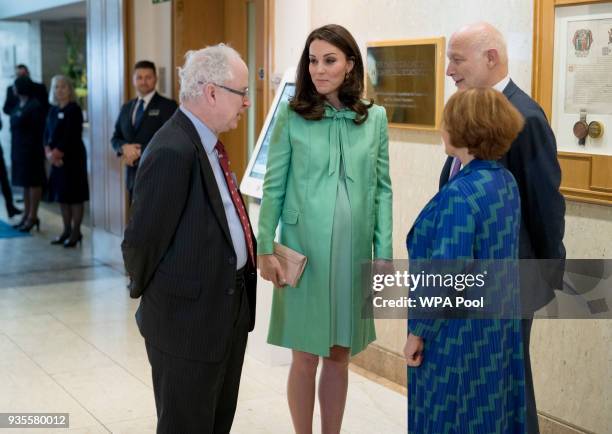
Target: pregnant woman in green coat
x=327, y=182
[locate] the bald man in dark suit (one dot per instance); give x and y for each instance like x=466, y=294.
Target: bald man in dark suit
x=477, y=57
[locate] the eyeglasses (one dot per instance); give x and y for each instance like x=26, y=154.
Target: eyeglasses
x=243, y=93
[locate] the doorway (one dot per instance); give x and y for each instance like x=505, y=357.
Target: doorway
x=246, y=25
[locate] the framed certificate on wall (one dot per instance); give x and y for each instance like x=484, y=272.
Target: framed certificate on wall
x=572, y=82
x=407, y=78
x=582, y=77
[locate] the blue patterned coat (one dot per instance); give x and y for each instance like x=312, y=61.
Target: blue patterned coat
x=472, y=376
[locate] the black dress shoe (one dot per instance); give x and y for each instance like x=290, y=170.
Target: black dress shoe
x=60, y=240
x=72, y=242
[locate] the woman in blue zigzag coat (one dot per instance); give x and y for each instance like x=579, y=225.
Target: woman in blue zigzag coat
x=466, y=375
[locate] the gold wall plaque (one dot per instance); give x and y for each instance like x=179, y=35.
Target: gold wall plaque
x=407, y=78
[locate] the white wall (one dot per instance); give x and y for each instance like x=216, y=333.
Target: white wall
x=153, y=38
x=292, y=25
x=416, y=161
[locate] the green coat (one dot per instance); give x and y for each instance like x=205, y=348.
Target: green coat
x=300, y=189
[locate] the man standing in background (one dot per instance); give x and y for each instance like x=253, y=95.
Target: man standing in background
x=39, y=92
x=139, y=120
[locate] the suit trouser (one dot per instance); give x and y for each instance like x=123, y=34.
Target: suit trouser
x=199, y=397
x=531, y=421
x=6, y=187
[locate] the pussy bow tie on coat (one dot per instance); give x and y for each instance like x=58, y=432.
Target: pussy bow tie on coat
x=338, y=139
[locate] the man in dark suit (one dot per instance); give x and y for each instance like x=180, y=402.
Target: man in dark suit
x=478, y=57
x=39, y=91
x=189, y=250
x=139, y=119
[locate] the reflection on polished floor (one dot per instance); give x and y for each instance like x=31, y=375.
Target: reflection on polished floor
x=69, y=344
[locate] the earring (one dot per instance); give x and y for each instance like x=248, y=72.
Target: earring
x=346, y=76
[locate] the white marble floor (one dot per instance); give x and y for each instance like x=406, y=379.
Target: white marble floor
x=72, y=346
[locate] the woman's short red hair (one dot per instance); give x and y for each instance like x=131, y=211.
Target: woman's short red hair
x=482, y=120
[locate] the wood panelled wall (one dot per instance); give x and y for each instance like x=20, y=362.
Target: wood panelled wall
x=199, y=23
x=586, y=177
x=265, y=58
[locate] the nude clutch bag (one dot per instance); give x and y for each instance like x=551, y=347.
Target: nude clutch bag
x=292, y=263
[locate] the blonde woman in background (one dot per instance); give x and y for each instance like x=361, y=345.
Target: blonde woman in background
x=66, y=152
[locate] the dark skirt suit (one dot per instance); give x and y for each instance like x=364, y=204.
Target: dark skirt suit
x=27, y=151
x=68, y=183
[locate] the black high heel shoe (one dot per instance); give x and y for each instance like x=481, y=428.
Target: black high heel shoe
x=13, y=211
x=29, y=224
x=20, y=224
x=69, y=243
x=60, y=240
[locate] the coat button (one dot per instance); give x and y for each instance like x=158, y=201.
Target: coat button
x=231, y=260
x=230, y=291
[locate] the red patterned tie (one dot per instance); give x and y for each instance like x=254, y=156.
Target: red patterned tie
x=238, y=204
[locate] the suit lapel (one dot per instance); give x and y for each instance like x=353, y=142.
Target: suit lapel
x=152, y=105
x=145, y=113
x=445, y=172
x=510, y=89
x=509, y=92
x=206, y=174
x=130, y=126
x=210, y=182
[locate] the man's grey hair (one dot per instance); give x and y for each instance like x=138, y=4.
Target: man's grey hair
x=208, y=65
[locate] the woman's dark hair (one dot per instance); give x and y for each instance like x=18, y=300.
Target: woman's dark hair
x=24, y=86
x=307, y=102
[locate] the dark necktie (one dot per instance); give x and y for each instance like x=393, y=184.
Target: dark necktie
x=139, y=113
x=238, y=204
x=455, y=167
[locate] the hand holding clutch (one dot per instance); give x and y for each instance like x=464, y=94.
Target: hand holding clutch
x=270, y=270
x=292, y=263
x=284, y=266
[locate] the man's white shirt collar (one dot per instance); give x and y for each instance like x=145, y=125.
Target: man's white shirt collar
x=502, y=84
x=147, y=98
